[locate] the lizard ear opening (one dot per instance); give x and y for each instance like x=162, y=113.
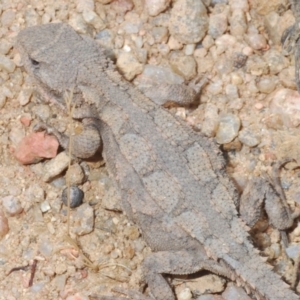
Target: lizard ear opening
x=34, y=62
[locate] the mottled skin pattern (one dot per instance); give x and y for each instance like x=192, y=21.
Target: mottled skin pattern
x=172, y=180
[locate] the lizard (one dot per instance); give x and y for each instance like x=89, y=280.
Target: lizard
x=172, y=179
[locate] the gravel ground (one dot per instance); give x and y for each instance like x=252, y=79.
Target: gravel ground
x=249, y=105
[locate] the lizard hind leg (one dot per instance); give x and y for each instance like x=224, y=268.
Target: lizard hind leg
x=172, y=262
x=177, y=263
x=260, y=191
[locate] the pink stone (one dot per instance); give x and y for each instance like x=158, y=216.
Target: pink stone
x=35, y=147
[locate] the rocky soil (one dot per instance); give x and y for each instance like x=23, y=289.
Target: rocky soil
x=249, y=105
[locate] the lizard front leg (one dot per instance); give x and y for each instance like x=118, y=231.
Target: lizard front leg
x=85, y=144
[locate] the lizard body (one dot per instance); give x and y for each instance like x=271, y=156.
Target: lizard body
x=172, y=180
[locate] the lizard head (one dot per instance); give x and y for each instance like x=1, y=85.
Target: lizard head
x=51, y=55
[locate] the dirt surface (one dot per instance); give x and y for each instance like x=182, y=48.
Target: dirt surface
x=249, y=105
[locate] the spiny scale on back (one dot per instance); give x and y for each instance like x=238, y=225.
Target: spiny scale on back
x=172, y=180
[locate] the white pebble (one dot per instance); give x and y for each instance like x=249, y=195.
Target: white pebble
x=12, y=205
x=55, y=166
x=229, y=126
x=6, y=64
x=185, y=294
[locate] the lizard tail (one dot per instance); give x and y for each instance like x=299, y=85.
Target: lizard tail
x=258, y=278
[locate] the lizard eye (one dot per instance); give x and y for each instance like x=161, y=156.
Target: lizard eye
x=34, y=62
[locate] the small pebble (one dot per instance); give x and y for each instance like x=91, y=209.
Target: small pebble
x=210, y=123
x=75, y=174
x=4, y=228
x=185, y=294
x=76, y=196
x=5, y=46
x=276, y=250
x=83, y=220
x=6, y=64
x=218, y=23
x=24, y=96
x=185, y=66
x=286, y=104
x=77, y=296
x=154, y=7
x=55, y=166
x=129, y=65
x=92, y=18
x=45, y=206
x=256, y=41
x=189, y=49
x=293, y=251
x=210, y=282
x=12, y=205
x=257, y=66
x=235, y=293
x=43, y=111
x=229, y=126
x=8, y=17
x=248, y=137
x=231, y=91
x=215, y=88
x=238, y=23
x=266, y=84
x=189, y=21
x=82, y=5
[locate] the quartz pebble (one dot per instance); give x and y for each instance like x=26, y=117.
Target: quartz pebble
x=256, y=41
x=12, y=205
x=45, y=206
x=92, y=18
x=229, y=126
x=83, y=220
x=154, y=7
x=83, y=5
x=218, y=23
x=153, y=75
x=210, y=123
x=215, y=88
x=210, y=282
x=235, y=293
x=293, y=251
x=7, y=18
x=5, y=46
x=266, y=84
x=185, y=294
x=286, y=104
x=6, y=64
x=248, y=137
x=55, y=166
x=129, y=65
x=184, y=66
x=24, y=96
x=189, y=21
x=238, y=23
